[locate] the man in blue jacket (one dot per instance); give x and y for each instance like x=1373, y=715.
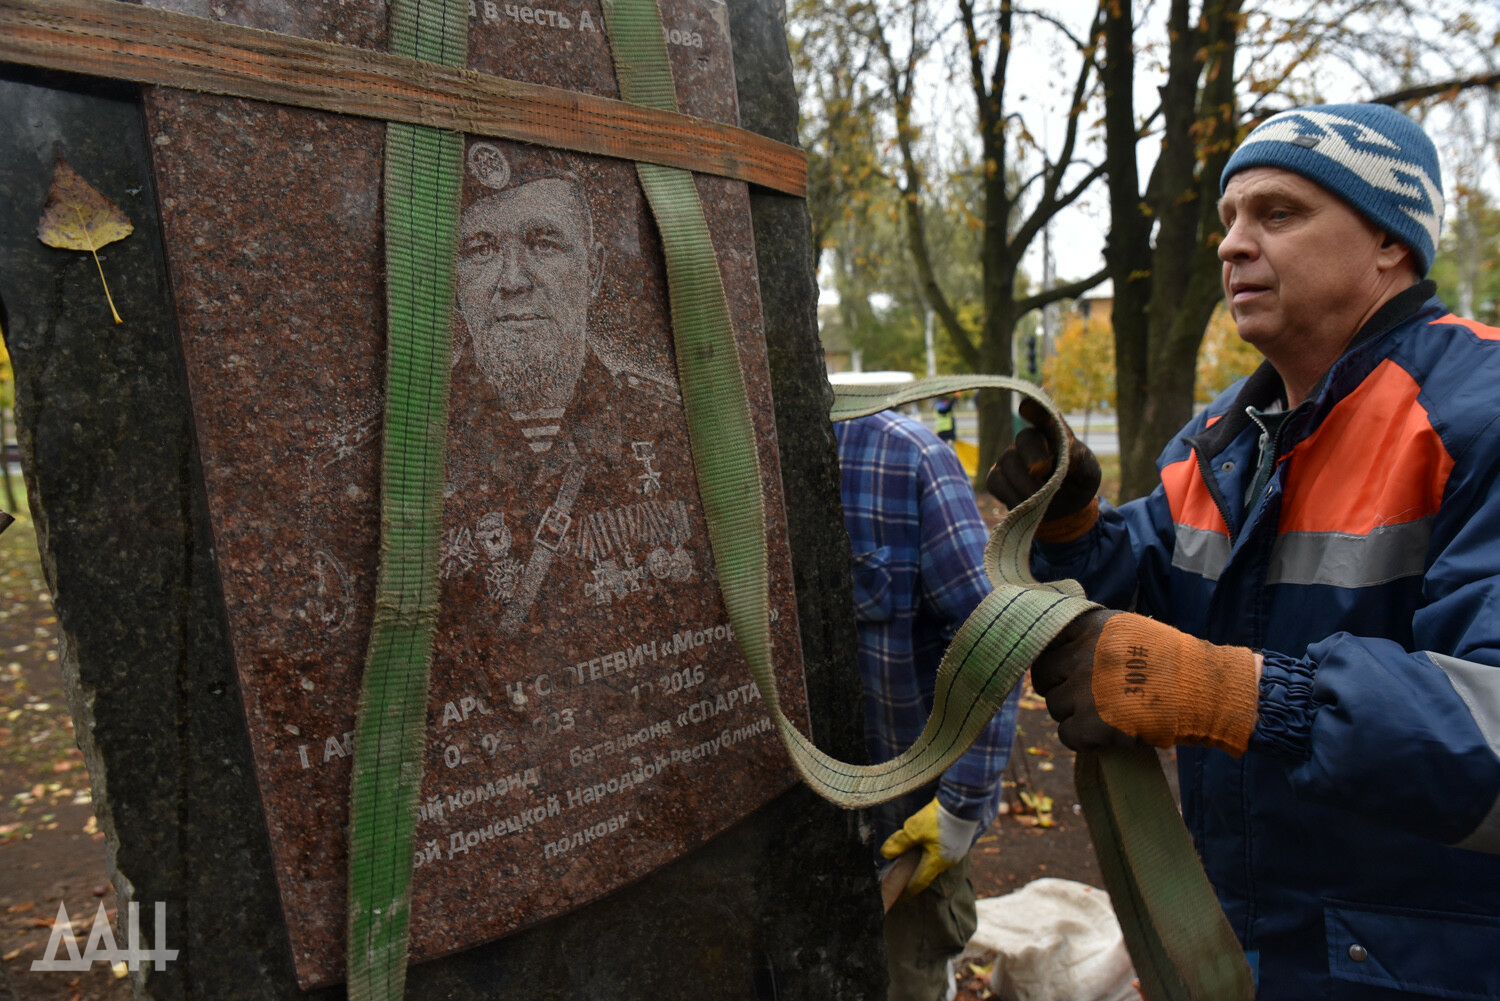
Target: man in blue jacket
x=1314, y=587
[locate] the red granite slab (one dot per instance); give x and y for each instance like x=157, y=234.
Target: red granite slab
x=590, y=717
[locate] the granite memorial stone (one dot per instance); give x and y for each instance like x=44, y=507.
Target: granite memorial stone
x=590, y=717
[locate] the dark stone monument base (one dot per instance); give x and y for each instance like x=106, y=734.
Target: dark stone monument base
x=784, y=905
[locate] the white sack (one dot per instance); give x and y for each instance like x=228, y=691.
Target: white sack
x=1054, y=940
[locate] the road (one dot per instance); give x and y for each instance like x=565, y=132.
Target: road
x=1100, y=435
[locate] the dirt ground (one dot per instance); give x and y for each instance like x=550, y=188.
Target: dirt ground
x=52, y=852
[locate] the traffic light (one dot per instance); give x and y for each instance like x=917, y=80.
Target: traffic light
x=1031, y=370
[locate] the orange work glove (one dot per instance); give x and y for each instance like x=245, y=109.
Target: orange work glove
x=1111, y=678
x=1025, y=466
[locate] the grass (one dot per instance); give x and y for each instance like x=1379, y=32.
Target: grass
x=36, y=730
x=1109, y=481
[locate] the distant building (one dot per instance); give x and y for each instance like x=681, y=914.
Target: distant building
x=838, y=354
x=1098, y=302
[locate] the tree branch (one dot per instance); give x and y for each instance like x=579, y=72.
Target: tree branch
x=1041, y=15
x=1053, y=204
x=1072, y=290
x=1049, y=204
x=1424, y=91
x=976, y=63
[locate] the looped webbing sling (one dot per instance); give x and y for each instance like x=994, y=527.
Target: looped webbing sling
x=1178, y=937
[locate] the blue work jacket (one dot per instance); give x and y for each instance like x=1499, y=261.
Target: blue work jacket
x=1352, y=846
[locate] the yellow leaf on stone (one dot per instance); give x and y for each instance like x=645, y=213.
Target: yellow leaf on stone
x=78, y=217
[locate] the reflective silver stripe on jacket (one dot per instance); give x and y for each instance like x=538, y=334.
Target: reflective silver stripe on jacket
x=1341, y=559
x=1479, y=686
x=1338, y=559
x=1201, y=551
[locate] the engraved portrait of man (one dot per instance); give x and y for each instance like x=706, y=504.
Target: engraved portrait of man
x=568, y=463
x=528, y=269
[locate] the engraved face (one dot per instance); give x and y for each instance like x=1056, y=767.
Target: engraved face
x=528, y=267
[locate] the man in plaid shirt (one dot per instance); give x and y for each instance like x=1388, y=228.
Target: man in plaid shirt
x=918, y=544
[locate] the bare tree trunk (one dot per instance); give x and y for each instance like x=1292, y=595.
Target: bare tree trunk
x=1165, y=291
x=1128, y=249
x=995, y=427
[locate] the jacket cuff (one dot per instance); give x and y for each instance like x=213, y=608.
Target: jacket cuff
x=962, y=802
x=1286, y=707
x=1069, y=527
x=1067, y=552
x=956, y=835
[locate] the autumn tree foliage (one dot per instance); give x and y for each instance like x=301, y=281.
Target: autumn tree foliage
x=1215, y=68
x=1080, y=374
x=875, y=54
x=1224, y=358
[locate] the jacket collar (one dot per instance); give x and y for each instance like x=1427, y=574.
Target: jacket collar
x=1264, y=386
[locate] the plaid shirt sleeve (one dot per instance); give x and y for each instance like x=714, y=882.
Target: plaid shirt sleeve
x=918, y=544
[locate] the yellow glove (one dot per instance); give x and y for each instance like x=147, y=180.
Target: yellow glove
x=943, y=838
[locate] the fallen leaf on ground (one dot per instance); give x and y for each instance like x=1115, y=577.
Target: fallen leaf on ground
x=78, y=217
x=1039, y=804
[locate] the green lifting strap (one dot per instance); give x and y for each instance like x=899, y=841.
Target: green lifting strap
x=1184, y=945
x=423, y=174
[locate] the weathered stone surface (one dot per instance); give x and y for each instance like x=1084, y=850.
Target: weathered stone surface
x=589, y=715
x=780, y=905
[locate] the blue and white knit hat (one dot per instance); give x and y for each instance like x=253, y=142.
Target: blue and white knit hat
x=1370, y=155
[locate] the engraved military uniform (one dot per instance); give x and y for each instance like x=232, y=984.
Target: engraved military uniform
x=591, y=504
